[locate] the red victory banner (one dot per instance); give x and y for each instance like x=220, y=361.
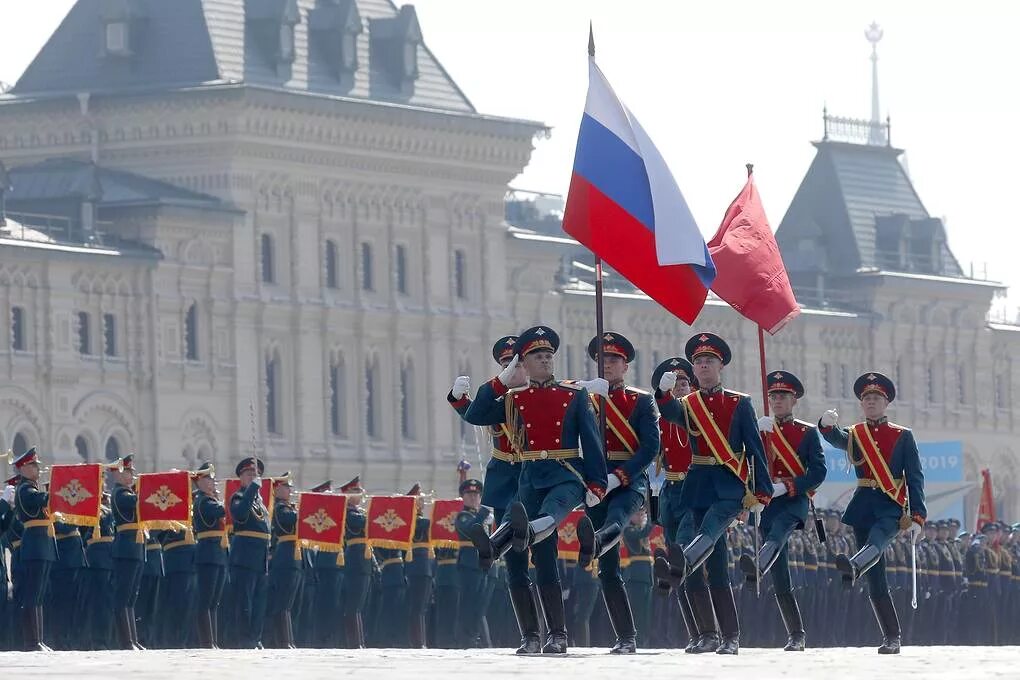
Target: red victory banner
x=443, y=524
x=391, y=522
x=986, y=507
x=234, y=485
x=657, y=539
x=321, y=520
x=568, y=546
x=75, y=494
x=164, y=499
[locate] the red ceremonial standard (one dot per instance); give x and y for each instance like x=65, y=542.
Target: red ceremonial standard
x=233, y=485
x=443, y=527
x=164, y=499
x=391, y=522
x=569, y=547
x=321, y=520
x=76, y=492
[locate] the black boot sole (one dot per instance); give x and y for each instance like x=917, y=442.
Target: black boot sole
x=749, y=568
x=480, y=538
x=586, y=540
x=519, y=527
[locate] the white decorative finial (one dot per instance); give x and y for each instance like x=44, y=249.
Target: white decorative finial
x=876, y=135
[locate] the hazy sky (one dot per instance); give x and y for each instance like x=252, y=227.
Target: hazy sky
x=719, y=84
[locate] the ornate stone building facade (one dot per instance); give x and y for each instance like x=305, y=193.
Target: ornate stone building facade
x=280, y=224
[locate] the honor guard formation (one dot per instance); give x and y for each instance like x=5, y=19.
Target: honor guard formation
x=567, y=513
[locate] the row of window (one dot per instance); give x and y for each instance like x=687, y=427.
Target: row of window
x=332, y=266
x=274, y=381
x=112, y=449
x=109, y=333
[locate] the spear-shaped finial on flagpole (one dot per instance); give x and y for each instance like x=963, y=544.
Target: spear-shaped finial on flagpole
x=750, y=168
x=591, y=41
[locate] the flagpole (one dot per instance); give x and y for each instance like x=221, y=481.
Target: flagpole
x=599, y=319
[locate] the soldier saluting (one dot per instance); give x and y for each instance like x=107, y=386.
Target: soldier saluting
x=797, y=467
x=545, y=419
x=249, y=552
x=209, y=525
x=889, y=495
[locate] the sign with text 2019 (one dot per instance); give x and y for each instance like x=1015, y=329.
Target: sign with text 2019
x=940, y=462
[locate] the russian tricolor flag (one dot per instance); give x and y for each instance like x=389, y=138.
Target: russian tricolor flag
x=625, y=206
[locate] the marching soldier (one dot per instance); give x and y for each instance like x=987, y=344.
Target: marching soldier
x=472, y=578
x=392, y=586
x=6, y=519
x=210, y=532
x=38, y=549
x=631, y=444
x=889, y=496
x=728, y=475
x=249, y=553
x=501, y=472
x=149, y=588
x=545, y=420
x=286, y=563
x=639, y=571
x=128, y=553
x=65, y=586
x=357, y=565
x=419, y=575
x=675, y=377
x=179, y=591
x=329, y=573
x=797, y=468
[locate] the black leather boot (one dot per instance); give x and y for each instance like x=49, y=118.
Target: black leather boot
x=604, y=540
x=133, y=620
x=689, y=621
x=853, y=568
x=729, y=624
x=622, y=618
x=203, y=629
x=525, y=533
x=353, y=631
x=790, y=612
x=122, y=619
x=527, y=619
x=670, y=570
x=40, y=631
x=885, y=612
x=697, y=552
x=555, y=617
x=490, y=548
x=285, y=631
x=704, y=617
x=755, y=568
x=416, y=632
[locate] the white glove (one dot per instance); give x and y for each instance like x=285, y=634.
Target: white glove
x=507, y=373
x=8, y=496
x=257, y=482
x=599, y=386
x=766, y=423
x=757, y=507
x=591, y=500
x=614, y=482
x=916, y=531
x=829, y=418
x=778, y=489
x=461, y=387
x=667, y=382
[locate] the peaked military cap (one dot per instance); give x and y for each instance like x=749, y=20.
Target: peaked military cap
x=353, y=486
x=469, y=485
x=250, y=463
x=505, y=348
x=323, y=487
x=784, y=381
x=27, y=457
x=612, y=343
x=874, y=381
x=674, y=364
x=708, y=343
x=537, y=338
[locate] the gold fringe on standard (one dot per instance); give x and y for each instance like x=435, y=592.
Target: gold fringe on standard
x=76, y=520
x=391, y=544
x=323, y=546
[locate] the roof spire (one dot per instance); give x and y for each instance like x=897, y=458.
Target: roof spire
x=877, y=135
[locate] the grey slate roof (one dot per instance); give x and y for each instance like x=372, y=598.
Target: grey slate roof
x=830, y=225
x=203, y=42
x=62, y=178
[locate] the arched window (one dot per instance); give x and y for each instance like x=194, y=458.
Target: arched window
x=460, y=274
x=366, y=267
x=400, y=264
x=268, y=259
x=191, y=332
x=109, y=335
x=407, y=400
x=84, y=339
x=372, y=387
x=82, y=447
x=337, y=421
x=332, y=265
x=18, y=329
x=112, y=452
x=19, y=445
x=273, y=390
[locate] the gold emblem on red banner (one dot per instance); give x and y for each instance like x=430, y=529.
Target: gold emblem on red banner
x=568, y=532
x=163, y=498
x=449, y=522
x=74, y=493
x=390, y=521
x=320, y=521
